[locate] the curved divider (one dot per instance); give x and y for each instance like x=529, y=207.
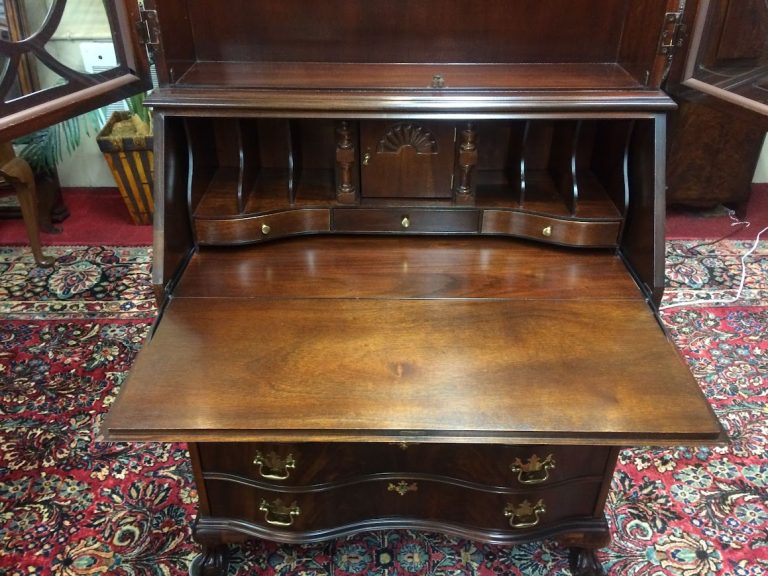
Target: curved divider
x=250, y=160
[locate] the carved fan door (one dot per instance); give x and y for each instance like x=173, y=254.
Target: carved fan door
x=406, y=159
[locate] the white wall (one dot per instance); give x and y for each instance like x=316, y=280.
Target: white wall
x=761, y=174
x=86, y=167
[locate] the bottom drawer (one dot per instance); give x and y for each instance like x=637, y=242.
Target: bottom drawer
x=399, y=502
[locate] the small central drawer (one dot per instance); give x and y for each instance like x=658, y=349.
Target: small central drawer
x=406, y=220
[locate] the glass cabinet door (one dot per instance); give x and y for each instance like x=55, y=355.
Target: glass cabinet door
x=60, y=58
x=728, y=52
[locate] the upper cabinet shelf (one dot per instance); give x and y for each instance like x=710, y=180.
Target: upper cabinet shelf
x=293, y=87
x=428, y=47
x=388, y=76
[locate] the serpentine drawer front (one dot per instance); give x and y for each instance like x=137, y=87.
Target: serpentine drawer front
x=261, y=228
x=511, y=467
x=370, y=500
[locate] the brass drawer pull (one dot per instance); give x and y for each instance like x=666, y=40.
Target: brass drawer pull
x=535, y=471
x=525, y=514
x=547, y=231
x=403, y=487
x=273, y=467
x=405, y=222
x=278, y=514
x=266, y=229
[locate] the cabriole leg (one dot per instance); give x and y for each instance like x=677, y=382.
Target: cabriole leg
x=584, y=562
x=212, y=561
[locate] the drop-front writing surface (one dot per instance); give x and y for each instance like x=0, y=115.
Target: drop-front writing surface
x=431, y=352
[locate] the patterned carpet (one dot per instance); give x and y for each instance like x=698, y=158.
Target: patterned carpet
x=73, y=505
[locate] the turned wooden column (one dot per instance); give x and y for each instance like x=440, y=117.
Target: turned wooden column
x=346, y=190
x=467, y=161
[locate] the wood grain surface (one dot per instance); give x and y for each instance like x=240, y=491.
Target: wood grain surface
x=426, y=370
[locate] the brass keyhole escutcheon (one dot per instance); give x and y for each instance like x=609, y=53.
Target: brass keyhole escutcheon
x=438, y=81
x=366, y=158
x=403, y=487
x=265, y=229
x=405, y=222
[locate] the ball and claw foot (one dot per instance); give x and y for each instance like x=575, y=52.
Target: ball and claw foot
x=584, y=562
x=213, y=561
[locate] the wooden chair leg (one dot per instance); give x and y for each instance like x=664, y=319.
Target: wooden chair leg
x=24, y=184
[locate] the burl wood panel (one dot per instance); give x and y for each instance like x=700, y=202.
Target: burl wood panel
x=712, y=156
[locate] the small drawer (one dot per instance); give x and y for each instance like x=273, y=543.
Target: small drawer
x=224, y=231
x=554, y=230
x=401, y=501
x=405, y=220
x=317, y=464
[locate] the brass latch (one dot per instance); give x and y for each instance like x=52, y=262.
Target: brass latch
x=672, y=33
x=438, y=81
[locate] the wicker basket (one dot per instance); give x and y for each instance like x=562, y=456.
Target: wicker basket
x=126, y=143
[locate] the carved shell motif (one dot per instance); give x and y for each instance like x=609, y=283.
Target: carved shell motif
x=402, y=135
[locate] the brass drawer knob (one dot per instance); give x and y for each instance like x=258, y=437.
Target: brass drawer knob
x=273, y=466
x=277, y=513
x=405, y=222
x=403, y=487
x=547, y=231
x=525, y=514
x=266, y=229
x=534, y=471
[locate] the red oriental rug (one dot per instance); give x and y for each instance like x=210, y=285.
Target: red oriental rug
x=73, y=505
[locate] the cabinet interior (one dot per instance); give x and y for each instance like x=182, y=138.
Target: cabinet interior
x=403, y=45
x=573, y=170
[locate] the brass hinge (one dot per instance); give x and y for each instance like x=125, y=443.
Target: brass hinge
x=672, y=33
x=148, y=28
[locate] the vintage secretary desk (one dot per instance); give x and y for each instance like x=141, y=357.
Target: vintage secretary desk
x=408, y=255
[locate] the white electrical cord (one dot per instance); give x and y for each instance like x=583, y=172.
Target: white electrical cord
x=740, y=289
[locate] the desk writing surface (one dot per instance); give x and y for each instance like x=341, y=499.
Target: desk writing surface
x=430, y=369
